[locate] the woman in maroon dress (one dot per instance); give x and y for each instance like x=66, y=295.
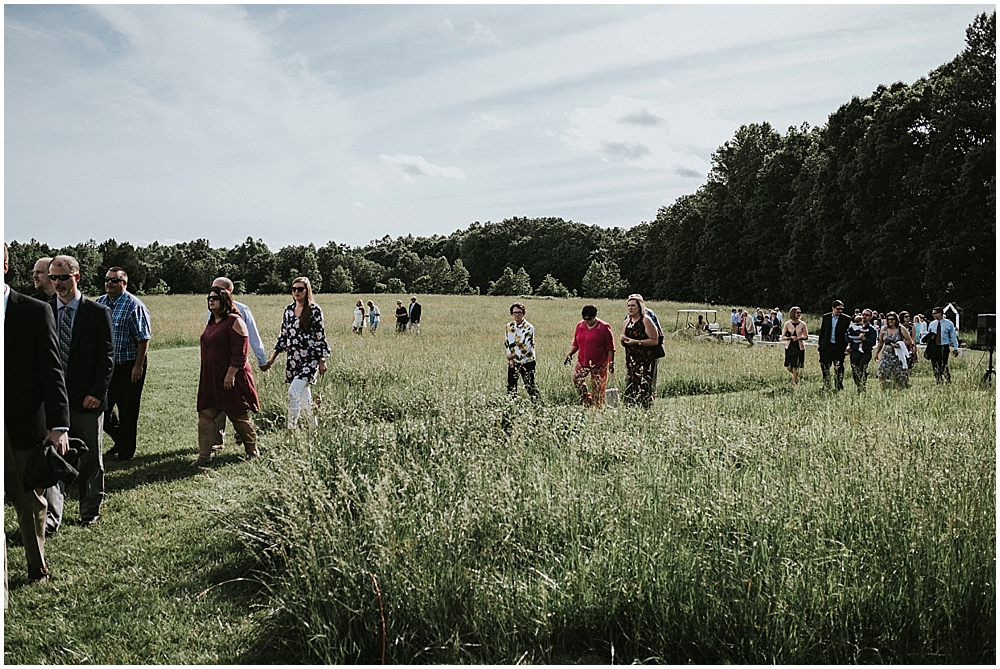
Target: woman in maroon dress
x=226, y=382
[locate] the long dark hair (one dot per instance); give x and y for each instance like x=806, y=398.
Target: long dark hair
x=306, y=319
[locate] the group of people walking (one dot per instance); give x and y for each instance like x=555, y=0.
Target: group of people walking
x=594, y=346
x=76, y=367
x=892, y=342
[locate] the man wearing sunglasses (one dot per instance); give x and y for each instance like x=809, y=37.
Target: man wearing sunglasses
x=130, y=324
x=86, y=350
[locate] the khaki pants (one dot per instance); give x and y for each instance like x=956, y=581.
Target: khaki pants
x=208, y=432
x=30, y=507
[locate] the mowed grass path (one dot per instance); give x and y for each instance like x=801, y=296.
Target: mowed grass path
x=164, y=578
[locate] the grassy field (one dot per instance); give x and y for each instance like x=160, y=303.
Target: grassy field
x=430, y=519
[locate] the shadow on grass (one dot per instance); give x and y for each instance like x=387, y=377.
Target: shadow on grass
x=163, y=467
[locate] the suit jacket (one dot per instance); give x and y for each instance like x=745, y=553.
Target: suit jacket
x=414, y=311
x=843, y=322
x=34, y=399
x=91, y=354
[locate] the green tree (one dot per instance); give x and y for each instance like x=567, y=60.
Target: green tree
x=603, y=280
x=127, y=257
x=510, y=283
x=340, y=281
x=550, y=287
x=21, y=259
x=395, y=286
x=253, y=262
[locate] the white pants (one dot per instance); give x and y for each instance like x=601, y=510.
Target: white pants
x=299, y=401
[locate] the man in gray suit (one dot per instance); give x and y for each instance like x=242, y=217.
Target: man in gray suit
x=86, y=349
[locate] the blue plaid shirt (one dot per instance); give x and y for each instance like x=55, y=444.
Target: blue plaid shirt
x=130, y=321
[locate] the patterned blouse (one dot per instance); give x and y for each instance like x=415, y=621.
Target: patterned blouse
x=521, y=341
x=303, y=350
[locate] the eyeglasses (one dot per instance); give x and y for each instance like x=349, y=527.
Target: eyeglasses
x=113, y=279
x=213, y=297
x=516, y=312
x=298, y=289
x=59, y=277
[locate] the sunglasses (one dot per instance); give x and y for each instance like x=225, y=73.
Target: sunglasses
x=59, y=277
x=298, y=289
x=213, y=297
x=113, y=279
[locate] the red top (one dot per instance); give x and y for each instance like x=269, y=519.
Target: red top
x=223, y=347
x=594, y=343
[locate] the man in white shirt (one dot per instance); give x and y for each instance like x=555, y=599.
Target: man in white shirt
x=947, y=339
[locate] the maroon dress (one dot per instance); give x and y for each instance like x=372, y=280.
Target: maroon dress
x=223, y=347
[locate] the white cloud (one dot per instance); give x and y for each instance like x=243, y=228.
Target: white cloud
x=415, y=166
x=494, y=122
x=481, y=33
x=648, y=134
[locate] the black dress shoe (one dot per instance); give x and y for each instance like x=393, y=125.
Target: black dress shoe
x=49, y=531
x=111, y=451
x=125, y=456
x=90, y=522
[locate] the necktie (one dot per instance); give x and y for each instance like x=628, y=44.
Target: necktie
x=65, y=335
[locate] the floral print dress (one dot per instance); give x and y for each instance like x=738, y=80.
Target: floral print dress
x=303, y=349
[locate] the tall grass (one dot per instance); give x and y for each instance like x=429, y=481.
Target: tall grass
x=751, y=524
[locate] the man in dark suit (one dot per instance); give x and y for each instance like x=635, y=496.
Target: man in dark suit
x=86, y=349
x=833, y=344
x=35, y=410
x=414, y=315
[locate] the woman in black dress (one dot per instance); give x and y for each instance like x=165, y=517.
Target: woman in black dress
x=639, y=337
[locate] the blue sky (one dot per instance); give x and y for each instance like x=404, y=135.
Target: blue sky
x=310, y=123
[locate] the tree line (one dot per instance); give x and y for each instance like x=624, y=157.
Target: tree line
x=891, y=203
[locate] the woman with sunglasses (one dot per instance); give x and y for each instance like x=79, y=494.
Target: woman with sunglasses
x=893, y=345
x=303, y=340
x=226, y=383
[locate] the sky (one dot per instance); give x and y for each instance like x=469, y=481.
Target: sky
x=300, y=124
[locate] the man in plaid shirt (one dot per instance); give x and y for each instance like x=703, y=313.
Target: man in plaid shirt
x=130, y=323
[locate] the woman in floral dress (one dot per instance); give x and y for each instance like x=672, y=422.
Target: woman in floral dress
x=892, y=363
x=303, y=341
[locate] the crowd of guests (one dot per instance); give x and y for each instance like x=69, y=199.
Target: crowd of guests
x=76, y=367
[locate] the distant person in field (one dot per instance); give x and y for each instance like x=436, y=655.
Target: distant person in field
x=374, y=315
x=359, y=318
x=44, y=290
x=734, y=322
x=906, y=323
x=87, y=351
x=256, y=345
x=639, y=339
x=794, y=333
x=862, y=337
x=414, y=315
x=519, y=344
x=226, y=382
x=595, y=342
x=947, y=340
x=749, y=329
x=303, y=340
x=402, y=316
x=833, y=345
x=893, y=363
x=919, y=327
x=132, y=332
x=36, y=410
